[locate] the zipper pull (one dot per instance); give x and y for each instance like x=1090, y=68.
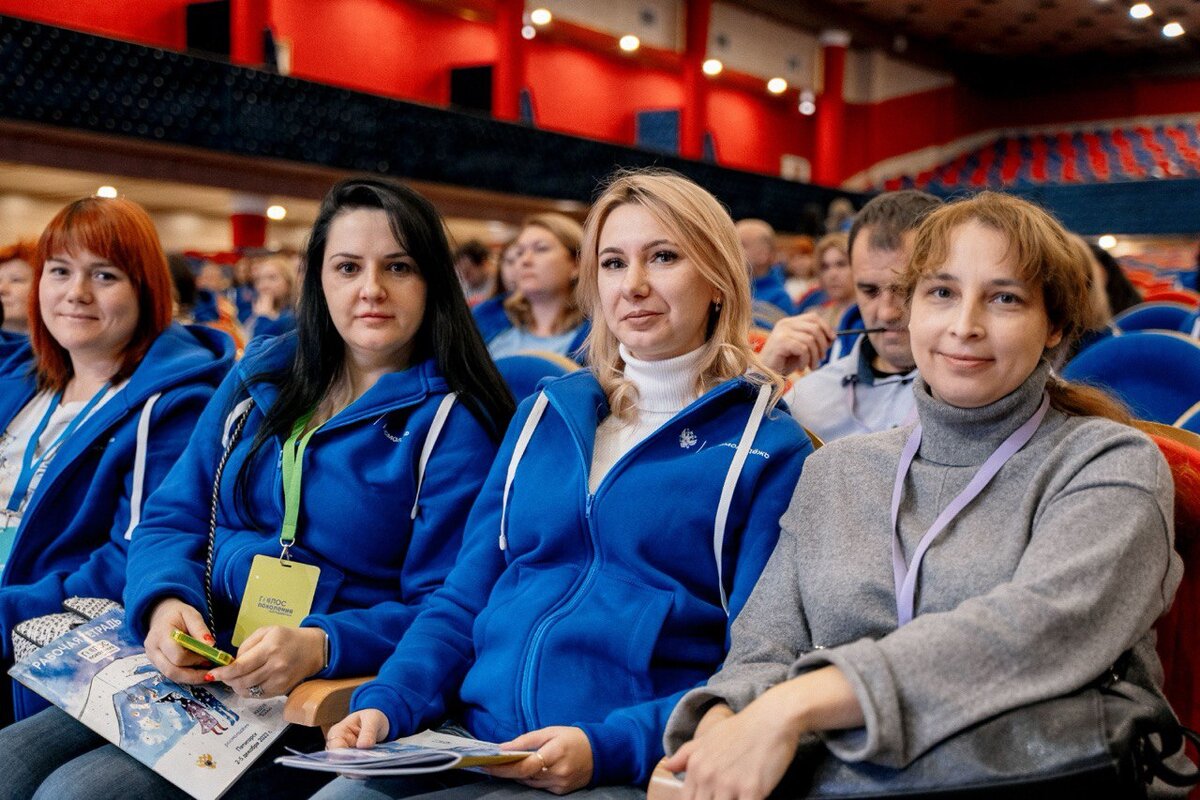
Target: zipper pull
x=587, y=510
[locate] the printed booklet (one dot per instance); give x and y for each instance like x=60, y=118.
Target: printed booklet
x=427, y=751
x=200, y=738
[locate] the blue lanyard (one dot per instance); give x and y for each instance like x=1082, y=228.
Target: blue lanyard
x=30, y=465
x=906, y=575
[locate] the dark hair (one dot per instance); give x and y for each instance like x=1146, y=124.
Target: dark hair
x=1121, y=293
x=447, y=332
x=891, y=215
x=473, y=249
x=183, y=281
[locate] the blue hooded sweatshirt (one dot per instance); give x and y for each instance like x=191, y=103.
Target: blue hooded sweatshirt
x=75, y=531
x=380, y=551
x=597, y=610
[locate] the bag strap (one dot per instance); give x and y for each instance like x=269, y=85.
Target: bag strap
x=233, y=433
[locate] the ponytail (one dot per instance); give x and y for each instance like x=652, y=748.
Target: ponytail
x=1079, y=400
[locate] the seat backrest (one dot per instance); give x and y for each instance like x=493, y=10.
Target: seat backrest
x=1179, y=629
x=1190, y=419
x=1155, y=373
x=1153, y=316
x=523, y=371
x=1185, y=297
x=1191, y=325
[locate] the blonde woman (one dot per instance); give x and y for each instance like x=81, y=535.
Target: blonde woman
x=276, y=281
x=628, y=515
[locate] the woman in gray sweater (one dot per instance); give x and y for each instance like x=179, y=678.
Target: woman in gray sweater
x=1005, y=551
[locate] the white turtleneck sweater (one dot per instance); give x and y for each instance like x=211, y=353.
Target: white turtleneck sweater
x=664, y=388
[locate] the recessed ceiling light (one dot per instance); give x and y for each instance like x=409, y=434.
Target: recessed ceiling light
x=1140, y=11
x=1172, y=29
x=629, y=43
x=528, y=32
x=1107, y=241
x=107, y=191
x=777, y=86
x=540, y=16
x=276, y=212
x=712, y=67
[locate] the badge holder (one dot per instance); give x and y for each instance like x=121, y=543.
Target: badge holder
x=280, y=591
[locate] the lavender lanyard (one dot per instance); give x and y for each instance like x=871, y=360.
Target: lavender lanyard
x=906, y=576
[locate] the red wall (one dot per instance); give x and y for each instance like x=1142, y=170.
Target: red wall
x=753, y=131
x=380, y=46
x=160, y=23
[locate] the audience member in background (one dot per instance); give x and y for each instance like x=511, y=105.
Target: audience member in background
x=1122, y=295
x=542, y=312
x=766, y=286
x=840, y=216
x=605, y=597
x=384, y=342
x=490, y=316
x=213, y=306
x=242, y=292
x=1037, y=583
x=183, y=284
x=276, y=290
x=95, y=408
x=832, y=255
x=16, y=278
x=1098, y=324
x=801, y=268
x=476, y=273
x=868, y=389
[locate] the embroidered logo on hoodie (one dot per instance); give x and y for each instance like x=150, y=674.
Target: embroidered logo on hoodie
x=687, y=438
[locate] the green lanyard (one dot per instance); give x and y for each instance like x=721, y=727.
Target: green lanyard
x=293, y=475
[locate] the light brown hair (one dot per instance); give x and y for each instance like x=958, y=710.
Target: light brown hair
x=569, y=234
x=1045, y=256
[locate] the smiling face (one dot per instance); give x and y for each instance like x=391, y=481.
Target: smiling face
x=15, y=279
x=978, y=329
x=88, y=304
x=374, y=290
x=653, y=297
x=542, y=265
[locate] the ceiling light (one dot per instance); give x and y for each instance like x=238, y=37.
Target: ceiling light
x=1172, y=29
x=540, y=16
x=629, y=43
x=1140, y=11
x=808, y=102
x=712, y=67
x=528, y=32
x=777, y=86
x=1107, y=241
x=276, y=212
x=107, y=191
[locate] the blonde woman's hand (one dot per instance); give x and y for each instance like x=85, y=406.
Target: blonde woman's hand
x=561, y=763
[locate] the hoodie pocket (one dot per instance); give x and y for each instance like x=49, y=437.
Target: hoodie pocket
x=598, y=656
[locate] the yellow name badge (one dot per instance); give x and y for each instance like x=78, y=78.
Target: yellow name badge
x=277, y=593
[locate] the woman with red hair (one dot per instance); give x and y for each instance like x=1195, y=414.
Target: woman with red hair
x=94, y=408
x=16, y=275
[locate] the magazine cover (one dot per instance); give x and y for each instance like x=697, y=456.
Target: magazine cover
x=427, y=751
x=200, y=738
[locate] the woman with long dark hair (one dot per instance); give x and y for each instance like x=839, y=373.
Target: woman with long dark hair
x=624, y=522
x=382, y=413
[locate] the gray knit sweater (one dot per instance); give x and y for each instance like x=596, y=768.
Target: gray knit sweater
x=1062, y=564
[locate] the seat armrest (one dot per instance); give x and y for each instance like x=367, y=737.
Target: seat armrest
x=320, y=702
